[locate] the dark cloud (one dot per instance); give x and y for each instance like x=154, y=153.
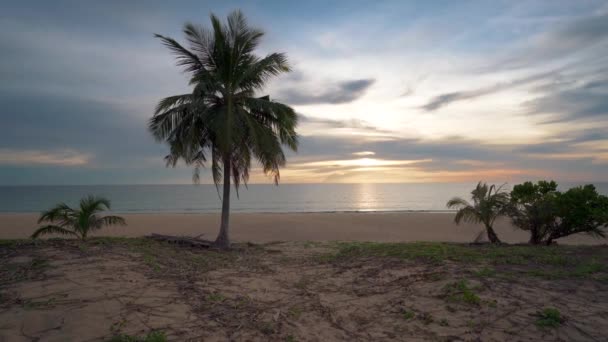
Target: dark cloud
x=350, y=123
x=448, y=98
x=340, y=92
x=46, y=122
x=574, y=104
x=590, y=135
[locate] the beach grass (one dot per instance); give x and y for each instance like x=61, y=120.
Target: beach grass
x=489, y=260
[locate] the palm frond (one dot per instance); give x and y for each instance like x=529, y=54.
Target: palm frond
x=185, y=58
x=52, y=229
x=467, y=214
x=222, y=117
x=457, y=202
x=111, y=221
x=60, y=213
x=93, y=204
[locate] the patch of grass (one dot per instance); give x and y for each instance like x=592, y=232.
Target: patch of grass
x=549, y=318
x=150, y=260
x=290, y=338
x=216, y=297
x=12, y=243
x=407, y=315
x=461, y=292
x=439, y=252
x=444, y=322
x=295, y=312
x=311, y=244
x=589, y=268
x=154, y=336
x=485, y=272
x=544, y=261
x=585, y=269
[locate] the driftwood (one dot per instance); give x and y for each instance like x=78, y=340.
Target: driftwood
x=182, y=240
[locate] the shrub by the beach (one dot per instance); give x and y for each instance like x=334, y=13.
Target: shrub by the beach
x=489, y=203
x=222, y=120
x=533, y=208
x=78, y=222
x=549, y=214
x=579, y=210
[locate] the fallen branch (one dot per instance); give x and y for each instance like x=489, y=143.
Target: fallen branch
x=182, y=240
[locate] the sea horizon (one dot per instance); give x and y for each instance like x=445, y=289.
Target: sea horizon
x=255, y=198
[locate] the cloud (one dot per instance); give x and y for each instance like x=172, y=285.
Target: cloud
x=355, y=124
x=586, y=102
x=44, y=122
x=448, y=98
x=570, y=38
x=459, y=158
x=33, y=157
x=334, y=93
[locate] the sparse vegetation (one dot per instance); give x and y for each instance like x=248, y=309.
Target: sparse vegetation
x=549, y=318
x=407, y=315
x=268, y=298
x=154, y=336
x=19, y=271
x=485, y=272
x=216, y=297
x=461, y=292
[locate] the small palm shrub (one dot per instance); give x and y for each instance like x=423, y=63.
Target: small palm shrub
x=77, y=222
x=488, y=203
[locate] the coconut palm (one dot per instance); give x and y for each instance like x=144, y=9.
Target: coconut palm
x=222, y=121
x=489, y=202
x=77, y=222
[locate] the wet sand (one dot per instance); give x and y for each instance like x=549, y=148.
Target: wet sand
x=266, y=227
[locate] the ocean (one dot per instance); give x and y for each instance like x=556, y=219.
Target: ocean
x=256, y=198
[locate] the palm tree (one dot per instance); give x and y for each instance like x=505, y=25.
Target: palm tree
x=78, y=222
x=223, y=120
x=489, y=202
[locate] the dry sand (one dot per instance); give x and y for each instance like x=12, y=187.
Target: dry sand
x=68, y=291
x=264, y=227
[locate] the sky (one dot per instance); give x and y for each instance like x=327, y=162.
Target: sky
x=386, y=91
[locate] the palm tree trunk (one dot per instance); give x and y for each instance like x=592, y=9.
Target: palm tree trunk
x=223, y=239
x=492, y=235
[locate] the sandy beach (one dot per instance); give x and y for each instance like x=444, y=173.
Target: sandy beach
x=267, y=227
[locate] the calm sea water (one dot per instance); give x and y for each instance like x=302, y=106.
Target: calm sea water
x=256, y=198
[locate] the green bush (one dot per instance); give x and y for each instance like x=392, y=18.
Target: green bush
x=549, y=214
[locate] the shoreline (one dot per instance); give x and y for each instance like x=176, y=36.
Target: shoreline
x=217, y=212
x=325, y=226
